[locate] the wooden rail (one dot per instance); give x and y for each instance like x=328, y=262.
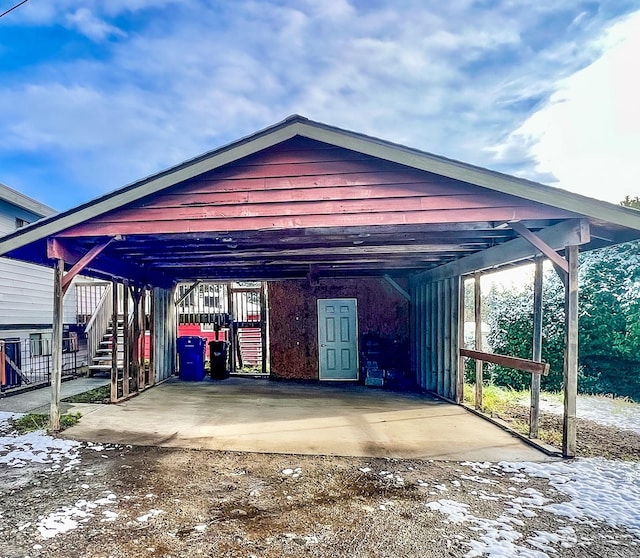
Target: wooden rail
x=509, y=361
x=99, y=322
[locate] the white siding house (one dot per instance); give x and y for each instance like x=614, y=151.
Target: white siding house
x=26, y=290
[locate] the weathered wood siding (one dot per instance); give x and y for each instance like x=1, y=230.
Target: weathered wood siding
x=435, y=336
x=303, y=183
x=293, y=320
x=164, y=334
x=26, y=290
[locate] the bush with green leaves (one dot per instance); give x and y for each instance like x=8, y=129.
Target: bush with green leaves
x=609, y=325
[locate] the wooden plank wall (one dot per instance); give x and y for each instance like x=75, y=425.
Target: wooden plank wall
x=302, y=183
x=164, y=333
x=435, y=336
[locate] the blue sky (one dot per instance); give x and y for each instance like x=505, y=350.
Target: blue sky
x=97, y=94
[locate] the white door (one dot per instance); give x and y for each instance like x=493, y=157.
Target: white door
x=338, y=338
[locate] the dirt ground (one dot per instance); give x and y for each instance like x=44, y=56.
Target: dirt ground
x=593, y=439
x=161, y=502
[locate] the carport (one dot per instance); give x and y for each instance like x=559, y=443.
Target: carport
x=303, y=201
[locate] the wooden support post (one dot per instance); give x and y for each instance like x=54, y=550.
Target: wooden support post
x=477, y=304
x=413, y=334
x=570, y=354
x=264, y=318
x=56, y=349
x=440, y=337
x=114, y=344
x=424, y=318
x=126, y=342
x=232, y=329
x=446, y=339
x=460, y=343
x=151, y=379
x=136, y=293
x=142, y=330
x=433, y=334
x=534, y=414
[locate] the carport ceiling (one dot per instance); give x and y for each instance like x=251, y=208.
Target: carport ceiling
x=295, y=253
x=303, y=199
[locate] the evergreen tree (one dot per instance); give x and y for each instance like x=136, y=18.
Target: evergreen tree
x=609, y=323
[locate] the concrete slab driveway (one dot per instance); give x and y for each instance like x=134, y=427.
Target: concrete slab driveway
x=242, y=414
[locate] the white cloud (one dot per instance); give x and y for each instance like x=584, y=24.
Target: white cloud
x=588, y=134
x=450, y=80
x=91, y=26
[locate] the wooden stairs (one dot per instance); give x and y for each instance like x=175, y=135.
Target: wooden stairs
x=250, y=341
x=102, y=360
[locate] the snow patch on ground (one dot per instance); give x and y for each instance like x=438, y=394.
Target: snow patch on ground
x=608, y=491
x=69, y=517
x=17, y=450
x=498, y=537
x=602, y=410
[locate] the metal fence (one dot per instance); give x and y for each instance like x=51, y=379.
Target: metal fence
x=26, y=363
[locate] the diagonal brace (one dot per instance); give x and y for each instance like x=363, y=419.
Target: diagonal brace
x=83, y=262
x=398, y=288
x=560, y=264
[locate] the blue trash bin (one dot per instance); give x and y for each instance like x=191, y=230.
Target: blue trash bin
x=191, y=358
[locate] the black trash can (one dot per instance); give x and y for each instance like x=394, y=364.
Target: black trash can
x=218, y=359
x=191, y=355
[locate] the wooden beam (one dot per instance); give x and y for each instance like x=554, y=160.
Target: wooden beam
x=509, y=361
x=57, y=250
x=315, y=217
x=416, y=311
x=237, y=252
x=126, y=342
x=570, y=355
x=56, y=346
x=140, y=335
x=540, y=244
x=534, y=414
x=477, y=306
x=440, y=338
x=398, y=288
x=117, y=268
x=82, y=263
x=433, y=336
x=152, y=338
x=460, y=342
x=569, y=232
x=264, y=330
x=446, y=340
x=114, y=343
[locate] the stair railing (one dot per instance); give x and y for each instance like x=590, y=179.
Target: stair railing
x=99, y=322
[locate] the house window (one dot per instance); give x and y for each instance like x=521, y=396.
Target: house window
x=21, y=223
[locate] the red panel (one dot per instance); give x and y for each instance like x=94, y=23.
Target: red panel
x=296, y=208
x=201, y=198
x=301, y=168
x=302, y=183
x=317, y=220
